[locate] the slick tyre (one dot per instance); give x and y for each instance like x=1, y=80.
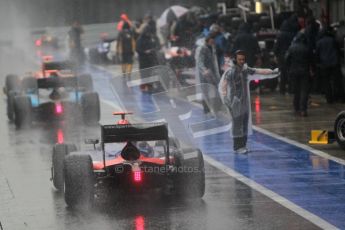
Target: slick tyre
x=339, y=129
x=90, y=108
x=29, y=85
x=22, y=112
x=85, y=81
x=59, y=153
x=190, y=180
x=79, y=181
x=12, y=83
x=10, y=105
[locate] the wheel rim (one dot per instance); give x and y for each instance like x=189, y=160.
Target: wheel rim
x=341, y=130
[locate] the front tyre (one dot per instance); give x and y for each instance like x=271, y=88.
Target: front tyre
x=90, y=108
x=339, y=129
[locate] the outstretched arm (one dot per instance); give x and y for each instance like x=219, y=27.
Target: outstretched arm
x=260, y=74
x=264, y=71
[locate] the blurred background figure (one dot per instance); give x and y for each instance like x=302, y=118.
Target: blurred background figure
x=125, y=48
x=340, y=35
x=207, y=66
x=140, y=27
x=298, y=61
x=147, y=47
x=123, y=19
x=327, y=53
x=282, y=44
x=221, y=45
x=75, y=46
x=246, y=41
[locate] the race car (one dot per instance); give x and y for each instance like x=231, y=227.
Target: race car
x=44, y=42
x=53, y=93
x=104, y=52
x=132, y=158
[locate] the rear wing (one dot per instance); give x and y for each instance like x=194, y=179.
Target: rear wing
x=56, y=82
x=57, y=65
x=38, y=32
x=134, y=132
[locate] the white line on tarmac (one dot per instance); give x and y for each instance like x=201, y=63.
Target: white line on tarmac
x=302, y=146
x=263, y=190
x=270, y=194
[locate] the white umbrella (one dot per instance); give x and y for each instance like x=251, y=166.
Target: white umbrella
x=171, y=13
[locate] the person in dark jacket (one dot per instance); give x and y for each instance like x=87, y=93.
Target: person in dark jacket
x=247, y=42
x=75, y=45
x=340, y=35
x=298, y=60
x=126, y=48
x=147, y=47
x=327, y=53
x=283, y=43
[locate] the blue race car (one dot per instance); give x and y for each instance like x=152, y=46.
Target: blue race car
x=54, y=93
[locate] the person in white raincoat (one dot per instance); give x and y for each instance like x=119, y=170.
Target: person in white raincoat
x=207, y=71
x=234, y=92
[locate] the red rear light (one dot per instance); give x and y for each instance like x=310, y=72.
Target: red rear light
x=60, y=136
x=38, y=42
x=58, y=108
x=139, y=223
x=256, y=81
x=137, y=176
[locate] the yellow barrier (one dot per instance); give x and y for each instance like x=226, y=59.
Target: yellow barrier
x=319, y=137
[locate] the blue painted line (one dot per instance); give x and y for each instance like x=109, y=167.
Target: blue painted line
x=312, y=182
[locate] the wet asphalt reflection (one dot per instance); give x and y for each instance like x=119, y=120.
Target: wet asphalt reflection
x=29, y=201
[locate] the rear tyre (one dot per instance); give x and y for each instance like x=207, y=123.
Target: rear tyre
x=190, y=179
x=59, y=153
x=22, y=111
x=339, y=129
x=12, y=83
x=79, y=181
x=90, y=108
x=85, y=81
x=10, y=105
x=29, y=85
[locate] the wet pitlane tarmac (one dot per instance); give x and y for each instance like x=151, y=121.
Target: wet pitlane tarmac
x=29, y=201
x=273, y=112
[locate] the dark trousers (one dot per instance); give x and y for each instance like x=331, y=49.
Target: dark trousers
x=284, y=79
x=332, y=83
x=300, y=84
x=240, y=131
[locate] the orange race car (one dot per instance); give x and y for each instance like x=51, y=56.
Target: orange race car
x=133, y=158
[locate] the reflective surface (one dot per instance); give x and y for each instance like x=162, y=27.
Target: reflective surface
x=29, y=201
